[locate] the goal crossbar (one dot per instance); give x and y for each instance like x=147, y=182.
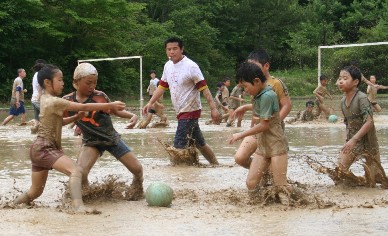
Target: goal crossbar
x=344, y=46
x=124, y=58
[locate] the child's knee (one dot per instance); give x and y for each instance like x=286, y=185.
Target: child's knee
x=77, y=171
x=239, y=159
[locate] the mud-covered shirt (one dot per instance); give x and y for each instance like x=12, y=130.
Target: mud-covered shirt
x=218, y=100
x=236, y=92
x=271, y=142
x=306, y=116
x=355, y=116
x=97, y=127
x=185, y=82
x=265, y=103
x=51, y=118
x=279, y=87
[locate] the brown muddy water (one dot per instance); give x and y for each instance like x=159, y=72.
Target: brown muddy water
x=208, y=200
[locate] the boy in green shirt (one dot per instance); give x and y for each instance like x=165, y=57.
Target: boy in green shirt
x=272, y=148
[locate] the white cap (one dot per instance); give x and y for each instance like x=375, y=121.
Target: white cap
x=84, y=69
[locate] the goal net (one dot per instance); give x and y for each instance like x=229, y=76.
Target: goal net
x=125, y=69
x=342, y=46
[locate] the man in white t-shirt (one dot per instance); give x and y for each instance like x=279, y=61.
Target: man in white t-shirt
x=36, y=93
x=185, y=81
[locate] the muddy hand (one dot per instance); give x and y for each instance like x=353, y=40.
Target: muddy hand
x=145, y=109
x=234, y=138
x=117, y=105
x=216, y=117
x=349, y=145
x=82, y=114
x=132, y=122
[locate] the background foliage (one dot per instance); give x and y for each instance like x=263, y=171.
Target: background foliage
x=218, y=35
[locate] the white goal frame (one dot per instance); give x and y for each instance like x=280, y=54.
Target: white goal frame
x=343, y=46
x=125, y=58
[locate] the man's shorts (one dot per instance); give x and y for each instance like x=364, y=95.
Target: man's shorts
x=117, y=151
x=17, y=111
x=187, y=133
x=43, y=154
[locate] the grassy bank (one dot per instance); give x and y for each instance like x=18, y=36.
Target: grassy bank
x=299, y=82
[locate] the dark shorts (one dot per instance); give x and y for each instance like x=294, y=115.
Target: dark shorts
x=17, y=111
x=36, y=107
x=43, y=154
x=188, y=128
x=374, y=103
x=117, y=151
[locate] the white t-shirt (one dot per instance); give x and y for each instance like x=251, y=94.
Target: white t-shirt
x=36, y=89
x=153, y=85
x=182, y=78
x=155, y=81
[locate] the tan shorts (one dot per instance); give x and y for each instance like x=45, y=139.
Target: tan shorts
x=43, y=154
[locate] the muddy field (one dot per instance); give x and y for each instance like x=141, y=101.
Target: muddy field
x=208, y=200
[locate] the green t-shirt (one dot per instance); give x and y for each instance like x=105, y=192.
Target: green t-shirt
x=265, y=104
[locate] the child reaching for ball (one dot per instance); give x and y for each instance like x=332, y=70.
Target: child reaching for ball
x=271, y=141
x=46, y=152
x=98, y=133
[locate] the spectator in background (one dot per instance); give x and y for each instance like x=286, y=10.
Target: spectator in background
x=17, y=99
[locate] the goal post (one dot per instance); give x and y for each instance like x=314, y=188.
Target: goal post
x=343, y=46
x=125, y=58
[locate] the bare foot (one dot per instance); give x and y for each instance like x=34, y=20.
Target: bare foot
x=135, y=192
x=85, y=210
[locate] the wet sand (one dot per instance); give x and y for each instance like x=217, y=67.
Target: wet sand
x=208, y=200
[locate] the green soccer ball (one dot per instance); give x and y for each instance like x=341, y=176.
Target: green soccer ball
x=333, y=118
x=159, y=194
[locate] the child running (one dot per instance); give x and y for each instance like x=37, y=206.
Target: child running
x=46, y=152
x=98, y=133
x=272, y=145
x=249, y=144
x=372, y=93
x=361, y=140
x=320, y=93
x=221, y=105
x=235, y=100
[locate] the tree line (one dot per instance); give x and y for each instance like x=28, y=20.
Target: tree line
x=217, y=34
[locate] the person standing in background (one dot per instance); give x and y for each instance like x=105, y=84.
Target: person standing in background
x=153, y=83
x=225, y=97
x=36, y=92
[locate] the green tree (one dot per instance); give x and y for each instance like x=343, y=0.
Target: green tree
x=362, y=14
x=318, y=28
